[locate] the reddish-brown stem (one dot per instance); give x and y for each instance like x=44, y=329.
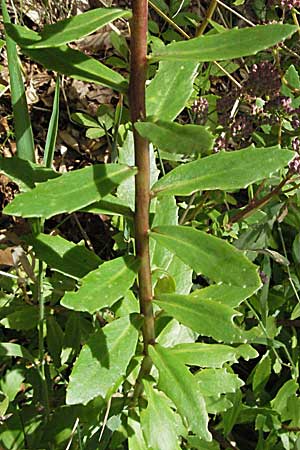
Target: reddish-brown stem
x=138, y=75
x=254, y=204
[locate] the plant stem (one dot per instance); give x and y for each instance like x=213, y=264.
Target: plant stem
x=209, y=14
x=253, y=205
x=138, y=47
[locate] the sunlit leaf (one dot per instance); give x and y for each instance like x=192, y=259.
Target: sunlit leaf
x=103, y=361
x=68, y=30
x=170, y=89
x=157, y=421
x=176, y=138
x=103, y=286
x=70, y=192
x=211, y=355
x=225, y=170
x=229, y=44
x=180, y=386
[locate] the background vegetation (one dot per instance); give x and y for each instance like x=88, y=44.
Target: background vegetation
x=193, y=345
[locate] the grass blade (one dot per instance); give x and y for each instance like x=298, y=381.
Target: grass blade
x=53, y=127
x=23, y=130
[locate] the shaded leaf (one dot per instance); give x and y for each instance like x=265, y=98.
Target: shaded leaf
x=180, y=386
x=16, y=350
x=24, y=317
x=63, y=255
x=67, y=61
x=103, y=361
x=225, y=170
x=104, y=286
x=25, y=173
x=110, y=205
x=170, y=89
x=230, y=44
x=70, y=192
x=176, y=138
x=67, y=30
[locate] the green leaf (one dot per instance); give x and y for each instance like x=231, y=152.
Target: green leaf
x=206, y=317
x=136, y=439
x=166, y=213
x=63, y=255
x=24, y=317
x=70, y=62
x=288, y=390
x=54, y=340
x=176, y=381
x=11, y=381
x=53, y=128
x=77, y=65
x=68, y=30
x=15, y=350
x=25, y=173
x=170, y=89
x=85, y=120
x=110, y=205
x=197, y=443
x=210, y=256
x=70, y=192
x=214, y=382
x=175, y=138
x=23, y=130
x=211, y=355
x=104, y=286
x=126, y=192
x=225, y=170
x=103, y=361
x=262, y=373
x=157, y=421
x=230, y=44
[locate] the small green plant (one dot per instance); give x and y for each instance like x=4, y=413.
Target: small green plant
x=142, y=351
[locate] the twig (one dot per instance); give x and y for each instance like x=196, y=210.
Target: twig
x=211, y=9
x=72, y=433
x=105, y=419
x=254, y=204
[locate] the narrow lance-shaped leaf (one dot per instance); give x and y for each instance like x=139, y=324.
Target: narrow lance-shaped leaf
x=206, y=317
x=110, y=205
x=103, y=361
x=212, y=355
x=62, y=255
x=170, y=89
x=68, y=30
x=210, y=256
x=104, y=286
x=176, y=381
x=230, y=44
x=53, y=128
x=176, y=138
x=23, y=130
x=157, y=421
x=225, y=170
x=70, y=192
x=73, y=63
x=25, y=173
